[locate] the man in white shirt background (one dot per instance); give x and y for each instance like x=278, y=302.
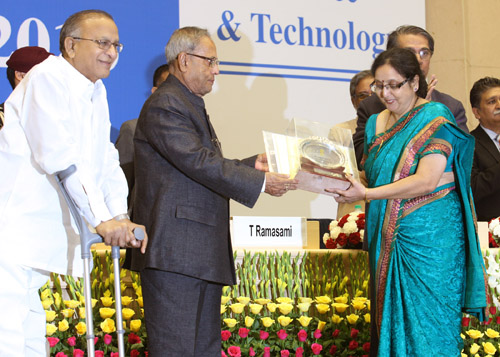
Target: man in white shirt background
x=56, y=117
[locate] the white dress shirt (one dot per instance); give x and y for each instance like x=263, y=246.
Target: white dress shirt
x=493, y=136
x=54, y=118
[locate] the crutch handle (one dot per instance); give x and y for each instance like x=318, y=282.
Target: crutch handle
x=139, y=233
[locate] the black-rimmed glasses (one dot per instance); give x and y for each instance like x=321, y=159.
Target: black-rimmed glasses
x=103, y=44
x=378, y=86
x=212, y=61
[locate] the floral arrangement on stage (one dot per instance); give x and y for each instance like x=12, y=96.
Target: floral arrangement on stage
x=346, y=233
x=494, y=233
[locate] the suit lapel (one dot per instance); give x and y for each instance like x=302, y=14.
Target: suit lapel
x=485, y=141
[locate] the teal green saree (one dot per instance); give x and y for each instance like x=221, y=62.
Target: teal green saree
x=424, y=252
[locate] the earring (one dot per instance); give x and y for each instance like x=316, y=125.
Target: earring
x=415, y=89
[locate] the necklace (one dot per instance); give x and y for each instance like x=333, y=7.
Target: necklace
x=392, y=114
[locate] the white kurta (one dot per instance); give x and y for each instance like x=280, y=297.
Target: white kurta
x=54, y=118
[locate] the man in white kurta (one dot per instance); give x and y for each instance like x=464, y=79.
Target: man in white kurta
x=57, y=116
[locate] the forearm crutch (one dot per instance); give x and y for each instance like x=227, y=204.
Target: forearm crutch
x=88, y=238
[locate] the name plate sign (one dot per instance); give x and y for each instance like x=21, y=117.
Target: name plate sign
x=269, y=232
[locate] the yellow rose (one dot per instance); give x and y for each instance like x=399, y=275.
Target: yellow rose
x=340, y=307
x=57, y=299
x=46, y=303
x=367, y=317
x=474, y=334
x=359, y=298
x=135, y=325
x=321, y=325
x=248, y=321
x=284, y=320
x=255, y=308
x=271, y=306
x=223, y=309
x=304, y=306
x=67, y=312
x=81, y=328
x=336, y=319
x=230, y=322
x=243, y=300
x=237, y=308
x=474, y=348
x=352, y=318
x=81, y=312
x=304, y=320
x=489, y=348
x=72, y=304
x=305, y=300
x=284, y=300
x=127, y=313
x=50, y=315
x=492, y=333
x=358, y=305
x=106, y=312
x=107, y=301
x=126, y=300
x=50, y=328
x=267, y=321
x=323, y=299
x=262, y=301
x=285, y=308
x=341, y=299
x=224, y=299
x=108, y=325
x=140, y=301
x=45, y=294
x=322, y=308
x=63, y=325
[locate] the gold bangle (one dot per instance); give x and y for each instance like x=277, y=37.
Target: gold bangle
x=366, y=199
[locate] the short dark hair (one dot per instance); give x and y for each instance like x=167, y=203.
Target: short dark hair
x=480, y=87
x=392, y=40
x=72, y=24
x=158, y=73
x=405, y=63
x=11, y=76
x=358, y=77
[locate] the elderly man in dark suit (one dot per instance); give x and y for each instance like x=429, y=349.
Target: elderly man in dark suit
x=183, y=187
x=421, y=42
x=485, y=177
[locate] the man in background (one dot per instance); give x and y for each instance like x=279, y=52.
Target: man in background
x=422, y=44
x=485, y=177
x=19, y=63
x=183, y=187
x=125, y=141
x=57, y=117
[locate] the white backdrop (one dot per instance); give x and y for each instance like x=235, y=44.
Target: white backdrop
x=283, y=59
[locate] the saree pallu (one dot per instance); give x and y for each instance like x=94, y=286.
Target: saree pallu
x=424, y=252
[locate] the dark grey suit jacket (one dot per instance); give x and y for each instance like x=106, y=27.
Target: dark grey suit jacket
x=125, y=146
x=485, y=177
x=183, y=185
x=373, y=105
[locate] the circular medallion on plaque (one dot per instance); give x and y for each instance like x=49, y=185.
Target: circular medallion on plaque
x=321, y=152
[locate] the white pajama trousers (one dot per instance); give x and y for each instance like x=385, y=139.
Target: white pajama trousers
x=22, y=317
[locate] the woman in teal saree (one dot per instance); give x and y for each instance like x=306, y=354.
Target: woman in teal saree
x=424, y=252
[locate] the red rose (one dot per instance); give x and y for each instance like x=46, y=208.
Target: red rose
x=223, y=354
x=251, y=352
x=263, y=335
x=285, y=353
x=316, y=348
x=282, y=335
x=299, y=352
x=354, y=333
x=53, y=341
x=72, y=341
x=302, y=335
x=133, y=338
x=493, y=310
x=353, y=345
x=335, y=333
x=366, y=346
x=465, y=321
x=489, y=321
x=100, y=353
x=330, y=244
x=78, y=353
x=114, y=354
x=134, y=353
x=317, y=334
x=243, y=332
x=333, y=349
x=234, y=351
x=342, y=221
x=225, y=334
x=342, y=239
x=107, y=339
x=267, y=352
x=61, y=354
x=498, y=320
x=354, y=238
